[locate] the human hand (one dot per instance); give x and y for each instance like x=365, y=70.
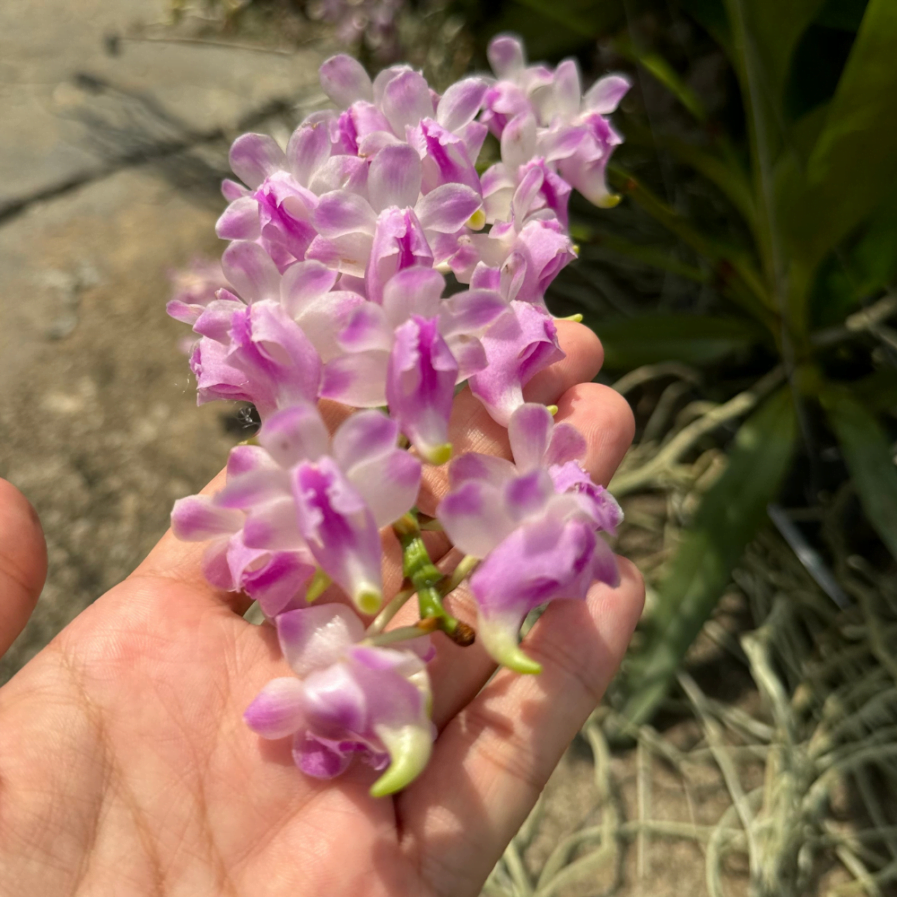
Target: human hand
x=125, y=767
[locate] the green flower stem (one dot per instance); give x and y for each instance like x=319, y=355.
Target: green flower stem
x=401, y=634
x=395, y=604
x=427, y=581
x=465, y=567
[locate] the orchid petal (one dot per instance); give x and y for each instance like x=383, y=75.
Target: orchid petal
x=307, y=151
x=605, y=94
x=277, y=711
x=530, y=430
x=474, y=518
x=253, y=157
x=406, y=100
x=363, y=436
x=567, y=89
x=315, y=637
x=358, y=380
x=394, y=178
x=344, y=80
x=506, y=56
x=196, y=519
x=518, y=141
x=295, y=434
x=240, y=220
x=411, y=291
x=460, y=103
x=340, y=212
x=249, y=268
x=448, y=208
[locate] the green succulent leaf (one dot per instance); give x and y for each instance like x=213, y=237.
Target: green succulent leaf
x=869, y=460
x=729, y=516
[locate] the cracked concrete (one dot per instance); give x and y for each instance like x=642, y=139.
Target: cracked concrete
x=110, y=181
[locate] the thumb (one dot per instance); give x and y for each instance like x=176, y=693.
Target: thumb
x=23, y=562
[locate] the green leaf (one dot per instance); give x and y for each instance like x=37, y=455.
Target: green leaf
x=691, y=339
x=662, y=71
x=868, y=456
x=770, y=30
x=722, y=169
x=729, y=516
x=855, y=156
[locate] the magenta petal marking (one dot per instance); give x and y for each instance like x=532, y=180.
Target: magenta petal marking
x=278, y=584
x=318, y=758
x=420, y=386
x=340, y=531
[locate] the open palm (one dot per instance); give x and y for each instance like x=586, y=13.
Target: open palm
x=126, y=768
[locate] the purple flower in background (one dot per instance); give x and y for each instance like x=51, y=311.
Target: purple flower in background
x=350, y=699
x=535, y=524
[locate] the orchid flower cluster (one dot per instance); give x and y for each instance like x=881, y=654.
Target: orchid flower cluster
x=339, y=249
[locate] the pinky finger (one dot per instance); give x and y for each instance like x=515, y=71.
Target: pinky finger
x=23, y=562
x=492, y=761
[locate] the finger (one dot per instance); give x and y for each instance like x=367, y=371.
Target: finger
x=605, y=418
x=584, y=357
x=23, y=562
x=492, y=761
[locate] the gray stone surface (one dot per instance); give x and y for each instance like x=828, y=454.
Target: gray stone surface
x=97, y=412
x=69, y=107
